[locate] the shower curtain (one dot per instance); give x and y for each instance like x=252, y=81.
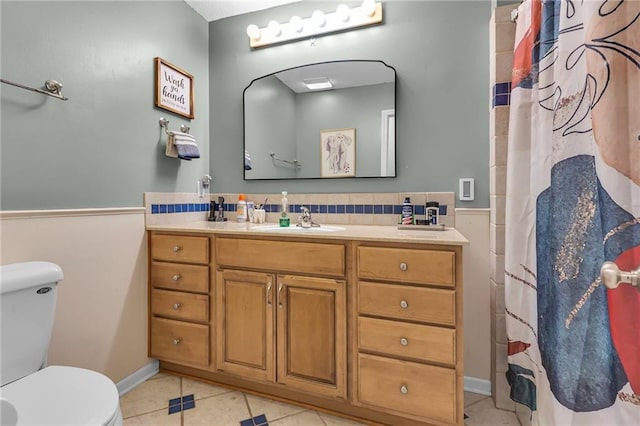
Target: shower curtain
x=573, y=202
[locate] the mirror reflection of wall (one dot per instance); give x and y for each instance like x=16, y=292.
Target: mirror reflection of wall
x=283, y=119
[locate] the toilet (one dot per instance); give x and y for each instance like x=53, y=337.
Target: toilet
x=32, y=393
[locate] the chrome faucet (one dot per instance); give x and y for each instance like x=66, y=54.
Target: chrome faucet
x=305, y=219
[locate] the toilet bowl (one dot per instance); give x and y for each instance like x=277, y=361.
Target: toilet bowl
x=68, y=396
x=29, y=393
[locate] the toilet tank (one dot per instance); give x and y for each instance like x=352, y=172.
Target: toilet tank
x=27, y=309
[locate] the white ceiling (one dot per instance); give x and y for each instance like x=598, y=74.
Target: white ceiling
x=212, y=10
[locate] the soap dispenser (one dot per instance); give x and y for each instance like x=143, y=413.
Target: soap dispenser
x=284, y=220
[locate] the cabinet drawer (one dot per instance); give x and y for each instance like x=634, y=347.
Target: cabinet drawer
x=180, y=341
x=407, y=387
x=405, y=302
x=178, y=276
x=179, y=248
x=407, y=265
x=180, y=305
x=422, y=342
x=282, y=256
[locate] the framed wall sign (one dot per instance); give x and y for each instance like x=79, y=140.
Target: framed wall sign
x=174, y=89
x=338, y=148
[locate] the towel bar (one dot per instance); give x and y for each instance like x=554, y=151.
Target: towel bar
x=164, y=123
x=52, y=88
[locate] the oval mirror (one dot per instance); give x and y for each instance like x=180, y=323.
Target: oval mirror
x=325, y=120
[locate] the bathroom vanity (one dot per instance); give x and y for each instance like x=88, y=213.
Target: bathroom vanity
x=365, y=321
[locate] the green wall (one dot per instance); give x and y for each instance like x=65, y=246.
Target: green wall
x=103, y=147
x=440, y=50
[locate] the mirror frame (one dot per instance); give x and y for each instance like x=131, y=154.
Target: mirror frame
x=395, y=102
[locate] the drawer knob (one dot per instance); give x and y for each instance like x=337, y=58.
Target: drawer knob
x=404, y=390
x=176, y=277
x=176, y=306
x=403, y=266
x=404, y=304
x=404, y=342
x=177, y=341
x=176, y=249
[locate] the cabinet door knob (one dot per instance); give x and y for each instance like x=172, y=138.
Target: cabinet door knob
x=403, y=266
x=404, y=390
x=404, y=342
x=176, y=249
x=177, y=341
x=404, y=304
x=269, y=293
x=176, y=277
x=176, y=306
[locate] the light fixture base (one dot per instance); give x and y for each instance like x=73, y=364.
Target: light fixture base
x=333, y=23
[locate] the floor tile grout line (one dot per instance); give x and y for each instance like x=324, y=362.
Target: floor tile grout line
x=321, y=418
x=476, y=402
x=181, y=403
x=246, y=401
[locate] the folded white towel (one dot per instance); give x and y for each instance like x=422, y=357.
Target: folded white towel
x=186, y=146
x=182, y=136
x=170, y=150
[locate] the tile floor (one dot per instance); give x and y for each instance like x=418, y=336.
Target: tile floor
x=151, y=402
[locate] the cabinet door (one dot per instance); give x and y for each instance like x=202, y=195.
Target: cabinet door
x=245, y=326
x=312, y=332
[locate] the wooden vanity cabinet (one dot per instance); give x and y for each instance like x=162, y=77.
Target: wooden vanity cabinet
x=278, y=327
x=368, y=329
x=179, y=299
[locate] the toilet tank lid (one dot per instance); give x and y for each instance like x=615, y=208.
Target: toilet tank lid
x=18, y=276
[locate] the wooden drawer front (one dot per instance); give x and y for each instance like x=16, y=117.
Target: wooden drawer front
x=179, y=305
x=422, y=342
x=282, y=256
x=180, y=341
x=411, y=303
x=407, y=265
x=177, y=276
x=178, y=248
x=407, y=387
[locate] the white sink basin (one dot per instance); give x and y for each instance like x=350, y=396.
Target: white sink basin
x=297, y=229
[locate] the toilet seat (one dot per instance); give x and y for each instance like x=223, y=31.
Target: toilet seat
x=69, y=396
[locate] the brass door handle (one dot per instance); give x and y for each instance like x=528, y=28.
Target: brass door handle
x=279, y=290
x=268, y=295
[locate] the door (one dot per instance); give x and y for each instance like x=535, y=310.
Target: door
x=311, y=323
x=245, y=324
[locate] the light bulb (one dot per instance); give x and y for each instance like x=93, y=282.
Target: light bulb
x=253, y=32
x=318, y=19
x=274, y=27
x=296, y=24
x=343, y=12
x=368, y=7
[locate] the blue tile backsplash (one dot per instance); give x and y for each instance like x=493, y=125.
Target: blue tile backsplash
x=347, y=208
x=395, y=209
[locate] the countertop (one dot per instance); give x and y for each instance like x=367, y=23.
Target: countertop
x=450, y=236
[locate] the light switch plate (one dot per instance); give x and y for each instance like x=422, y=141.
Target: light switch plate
x=466, y=189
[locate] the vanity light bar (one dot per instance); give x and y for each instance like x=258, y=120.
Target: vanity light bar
x=319, y=23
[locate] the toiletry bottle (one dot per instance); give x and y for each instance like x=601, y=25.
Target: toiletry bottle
x=284, y=220
x=432, y=209
x=407, y=212
x=241, y=209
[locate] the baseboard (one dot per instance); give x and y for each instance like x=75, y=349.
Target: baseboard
x=133, y=380
x=480, y=386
